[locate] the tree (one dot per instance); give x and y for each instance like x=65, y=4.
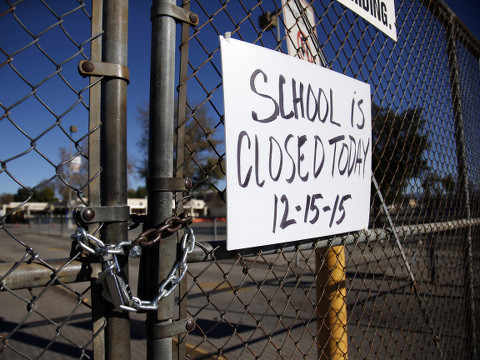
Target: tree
x=45, y=194
x=436, y=186
x=72, y=174
x=203, y=163
x=141, y=192
x=399, y=143
x=6, y=198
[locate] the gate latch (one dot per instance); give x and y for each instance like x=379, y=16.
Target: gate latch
x=176, y=12
x=101, y=214
x=168, y=329
x=117, y=71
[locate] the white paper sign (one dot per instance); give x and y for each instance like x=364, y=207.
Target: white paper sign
x=380, y=13
x=299, y=21
x=298, y=148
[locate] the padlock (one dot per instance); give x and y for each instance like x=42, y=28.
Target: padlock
x=115, y=284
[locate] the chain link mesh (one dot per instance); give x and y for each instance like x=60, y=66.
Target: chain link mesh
x=44, y=125
x=404, y=289
x=406, y=293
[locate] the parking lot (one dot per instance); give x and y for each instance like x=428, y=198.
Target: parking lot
x=262, y=306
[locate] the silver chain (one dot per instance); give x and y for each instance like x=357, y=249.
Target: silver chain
x=113, y=277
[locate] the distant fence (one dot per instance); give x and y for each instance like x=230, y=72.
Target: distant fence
x=52, y=226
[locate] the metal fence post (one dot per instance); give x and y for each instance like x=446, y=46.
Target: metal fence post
x=463, y=189
x=160, y=259
x=331, y=303
x=180, y=158
x=114, y=158
x=99, y=304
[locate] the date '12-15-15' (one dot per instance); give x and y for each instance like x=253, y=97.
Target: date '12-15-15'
x=311, y=212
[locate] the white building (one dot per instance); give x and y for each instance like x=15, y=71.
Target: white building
x=193, y=207
x=26, y=211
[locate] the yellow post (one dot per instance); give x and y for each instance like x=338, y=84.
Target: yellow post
x=331, y=304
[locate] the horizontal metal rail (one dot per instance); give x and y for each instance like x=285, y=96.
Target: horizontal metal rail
x=30, y=275
x=216, y=250
x=24, y=275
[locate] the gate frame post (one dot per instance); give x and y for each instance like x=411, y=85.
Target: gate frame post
x=113, y=159
x=463, y=190
x=160, y=259
x=180, y=157
x=99, y=304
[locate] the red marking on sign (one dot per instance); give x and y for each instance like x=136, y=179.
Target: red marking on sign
x=304, y=51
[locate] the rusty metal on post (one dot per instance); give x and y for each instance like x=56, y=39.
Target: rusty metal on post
x=158, y=260
x=114, y=159
x=463, y=186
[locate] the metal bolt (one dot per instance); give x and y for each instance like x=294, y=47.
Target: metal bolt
x=188, y=184
x=88, y=214
x=193, y=18
x=88, y=66
x=190, y=325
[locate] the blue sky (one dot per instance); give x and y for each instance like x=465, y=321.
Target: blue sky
x=468, y=11
x=41, y=131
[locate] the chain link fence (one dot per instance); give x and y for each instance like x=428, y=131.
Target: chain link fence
x=408, y=285
x=405, y=288
x=45, y=130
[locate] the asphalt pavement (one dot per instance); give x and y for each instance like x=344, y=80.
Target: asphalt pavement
x=259, y=307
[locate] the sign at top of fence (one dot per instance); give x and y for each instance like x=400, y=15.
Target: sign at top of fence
x=298, y=148
x=379, y=13
x=299, y=20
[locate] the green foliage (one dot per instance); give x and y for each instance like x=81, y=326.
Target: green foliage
x=201, y=160
x=210, y=171
x=142, y=119
x=400, y=141
x=6, y=198
x=141, y=192
x=77, y=177
x=46, y=194
x=436, y=186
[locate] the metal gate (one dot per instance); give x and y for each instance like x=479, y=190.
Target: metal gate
x=404, y=288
